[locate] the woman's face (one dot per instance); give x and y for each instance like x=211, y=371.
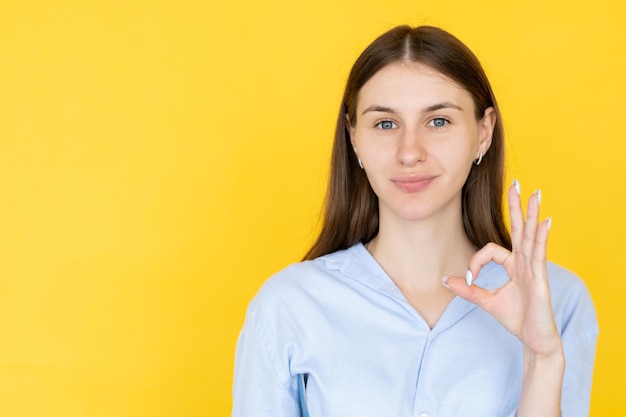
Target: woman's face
x=417, y=136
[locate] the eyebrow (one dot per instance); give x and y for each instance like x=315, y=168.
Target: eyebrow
x=444, y=105
x=429, y=109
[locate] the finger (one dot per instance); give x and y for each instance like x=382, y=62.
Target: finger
x=489, y=252
x=530, y=226
x=474, y=294
x=516, y=215
x=538, y=261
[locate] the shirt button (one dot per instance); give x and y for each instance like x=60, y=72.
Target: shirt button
x=423, y=415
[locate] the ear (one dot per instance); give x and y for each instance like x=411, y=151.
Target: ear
x=485, y=129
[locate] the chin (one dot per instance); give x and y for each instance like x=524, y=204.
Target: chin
x=415, y=217
x=415, y=213
x=424, y=209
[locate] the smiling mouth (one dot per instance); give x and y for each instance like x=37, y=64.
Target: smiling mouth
x=413, y=183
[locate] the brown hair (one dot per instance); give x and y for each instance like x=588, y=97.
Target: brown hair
x=351, y=208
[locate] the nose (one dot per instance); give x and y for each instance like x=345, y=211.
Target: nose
x=411, y=147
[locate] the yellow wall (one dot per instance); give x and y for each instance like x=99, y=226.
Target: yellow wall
x=159, y=159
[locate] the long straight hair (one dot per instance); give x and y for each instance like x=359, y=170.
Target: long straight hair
x=351, y=207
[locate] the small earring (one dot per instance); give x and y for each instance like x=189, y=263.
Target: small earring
x=358, y=158
x=479, y=160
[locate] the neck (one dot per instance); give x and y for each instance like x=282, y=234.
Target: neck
x=418, y=254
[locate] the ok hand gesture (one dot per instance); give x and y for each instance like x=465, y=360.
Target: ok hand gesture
x=522, y=305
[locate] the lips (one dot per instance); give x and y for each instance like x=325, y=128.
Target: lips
x=412, y=183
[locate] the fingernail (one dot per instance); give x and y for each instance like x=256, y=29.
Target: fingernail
x=517, y=187
x=538, y=192
x=549, y=219
x=468, y=278
x=444, y=281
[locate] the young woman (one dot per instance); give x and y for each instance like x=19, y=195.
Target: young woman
x=415, y=300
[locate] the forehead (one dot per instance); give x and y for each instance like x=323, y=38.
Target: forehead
x=411, y=84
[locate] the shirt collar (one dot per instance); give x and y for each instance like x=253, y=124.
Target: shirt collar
x=358, y=264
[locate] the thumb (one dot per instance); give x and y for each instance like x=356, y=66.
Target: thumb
x=472, y=293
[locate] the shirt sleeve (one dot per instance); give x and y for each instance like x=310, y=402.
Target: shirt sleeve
x=262, y=387
x=579, y=332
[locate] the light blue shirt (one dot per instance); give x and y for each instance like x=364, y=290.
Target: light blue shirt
x=367, y=352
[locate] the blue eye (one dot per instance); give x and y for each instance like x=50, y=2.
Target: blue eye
x=386, y=125
x=438, y=122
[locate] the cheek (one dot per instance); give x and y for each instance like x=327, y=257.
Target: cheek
x=368, y=147
x=376, y=157
x=456, y=157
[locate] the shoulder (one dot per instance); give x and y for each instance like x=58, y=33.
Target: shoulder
x=302, y=276
x=303, y=282
x=565, y=284
x=560, y=275
x=571, y=302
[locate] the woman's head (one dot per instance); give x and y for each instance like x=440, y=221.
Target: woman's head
x=352, y=207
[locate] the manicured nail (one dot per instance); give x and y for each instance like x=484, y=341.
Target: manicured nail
x=444, y=281
x=517, y=187
x=468, y=278
x=538, y=192
x=549, y=219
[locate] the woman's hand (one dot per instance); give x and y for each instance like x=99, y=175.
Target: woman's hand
x=522, y=305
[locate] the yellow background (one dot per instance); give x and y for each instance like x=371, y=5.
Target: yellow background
x=160, y=159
